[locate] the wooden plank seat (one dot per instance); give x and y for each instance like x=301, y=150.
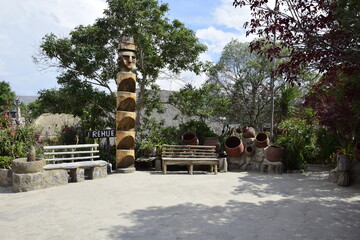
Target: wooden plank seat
x=69, y=158
x=189, y=155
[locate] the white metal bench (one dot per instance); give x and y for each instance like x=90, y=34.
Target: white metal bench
x=75, y=159
x=189, y=155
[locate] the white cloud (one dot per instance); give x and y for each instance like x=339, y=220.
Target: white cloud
x=71, y=13
x=174, y=83
x=61, y=13
x=230, y=16
x=22, y=25
x=216, y=39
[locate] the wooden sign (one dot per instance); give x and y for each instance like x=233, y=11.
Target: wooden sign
x=102, y=133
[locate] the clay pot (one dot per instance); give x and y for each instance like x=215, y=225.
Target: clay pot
x=248, y=132
x=357, y=151
x=150, y=152
x=262, y=140
x=189, y=138
x=274, y=153
x=212, y=141
x=21, y=165
x=234, y=147
x=249, y=150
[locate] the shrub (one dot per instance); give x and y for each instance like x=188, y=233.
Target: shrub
x=5, y=161
x=328, y=145
x=15, y=142
x=299, y=141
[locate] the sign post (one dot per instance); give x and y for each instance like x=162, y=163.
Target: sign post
x=106, y=133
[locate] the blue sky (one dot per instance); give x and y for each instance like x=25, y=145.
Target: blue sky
x=24, y=22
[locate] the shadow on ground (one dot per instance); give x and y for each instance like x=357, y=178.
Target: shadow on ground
x=264, y=207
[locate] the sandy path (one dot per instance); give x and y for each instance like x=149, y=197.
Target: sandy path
x=150, y=206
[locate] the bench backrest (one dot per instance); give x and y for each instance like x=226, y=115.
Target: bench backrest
x=188, y=151
x=66, y=153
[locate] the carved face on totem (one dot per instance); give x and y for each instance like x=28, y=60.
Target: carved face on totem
x=127, y=60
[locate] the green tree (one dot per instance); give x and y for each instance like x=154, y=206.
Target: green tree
x=206, y=102
x=285, y=103
x=7, y=96
x=88, y=54
x=244, y=77
x=94, y=107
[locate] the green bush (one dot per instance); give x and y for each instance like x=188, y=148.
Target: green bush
x=5, y=161
x=15, y=142
x=328, y=145
x=198, y=127
x=299, y=141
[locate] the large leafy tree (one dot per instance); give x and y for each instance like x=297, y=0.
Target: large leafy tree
x=206, y=102
x=321, y=33
x=244, y=77
x=88, y=54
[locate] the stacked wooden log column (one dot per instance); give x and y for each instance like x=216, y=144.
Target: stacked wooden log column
x=126, y=104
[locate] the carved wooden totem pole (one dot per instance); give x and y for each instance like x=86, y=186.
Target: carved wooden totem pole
x=126, y=103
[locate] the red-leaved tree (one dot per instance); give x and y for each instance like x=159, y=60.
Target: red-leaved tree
x=336, y=101
x=324, y=34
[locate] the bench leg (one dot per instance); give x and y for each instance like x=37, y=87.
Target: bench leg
x=191, y=168
x=164, y=168
x=91, y=173
x=215, y=168
x=77, y=175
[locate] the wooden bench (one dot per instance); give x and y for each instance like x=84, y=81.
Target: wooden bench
x=189, y=155
x=76, y=159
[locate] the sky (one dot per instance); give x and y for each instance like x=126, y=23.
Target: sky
x=23, y=23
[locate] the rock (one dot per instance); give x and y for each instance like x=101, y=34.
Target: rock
x=248, y=141
x=5, y=177
x=343, y=179
x=31, y=155
x=333, y=175
x=29, y=182
x=355, y=172
x=21, y=165
x=99, y=172
x=343, y=162
x=56, y=177
x=259, y=155
x=223, y=166
x=40, y=180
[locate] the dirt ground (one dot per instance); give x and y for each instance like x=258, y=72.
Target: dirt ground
x=152, y=206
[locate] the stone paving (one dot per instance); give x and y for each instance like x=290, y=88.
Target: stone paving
x=153, y=206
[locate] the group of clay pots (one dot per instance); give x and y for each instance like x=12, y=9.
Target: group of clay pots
x=234, y=146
